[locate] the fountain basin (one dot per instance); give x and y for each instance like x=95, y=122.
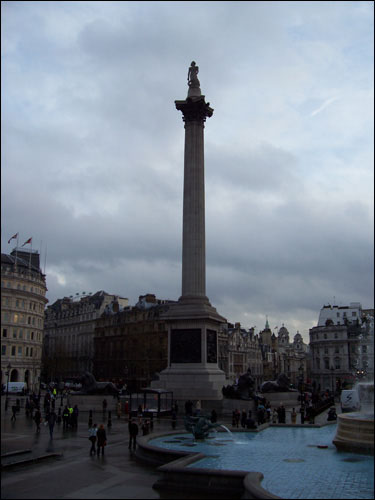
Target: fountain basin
x=355, y=432
x=254, y=462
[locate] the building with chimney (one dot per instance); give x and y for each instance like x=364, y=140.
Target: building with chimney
x=131, y=344
x=69, y=333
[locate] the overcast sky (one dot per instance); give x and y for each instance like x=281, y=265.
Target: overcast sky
x=93, y=150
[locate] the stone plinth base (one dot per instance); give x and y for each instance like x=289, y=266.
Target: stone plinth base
x=278, y=398
x=200, y=383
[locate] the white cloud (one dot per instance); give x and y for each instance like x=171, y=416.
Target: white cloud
x=92, y=148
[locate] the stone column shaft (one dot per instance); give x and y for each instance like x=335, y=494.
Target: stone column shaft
x=193, y=239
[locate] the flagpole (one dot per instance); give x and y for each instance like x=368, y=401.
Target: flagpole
x=16, y=252
x=30, y=255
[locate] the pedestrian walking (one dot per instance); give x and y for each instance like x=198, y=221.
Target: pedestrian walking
x=101, y=439
x=243, y=418
x=294, y=416
x=14, y=411
x=302, y=412
x=118, y=409
x=65, y=417
x=51, y=422
x=37, y=419
x=92, y=437
x=213, y=416
x=104, y=405
x=133, y=432
x=174, y=419
x=75, y=417
x=274, y=416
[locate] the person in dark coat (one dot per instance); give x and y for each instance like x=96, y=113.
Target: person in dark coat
x=213, y=416
x=243, y=418
x=133, y=432
x=37, y=419
x=92, y=437
x=14, y=411
x=101, y=438
x=52, y=417
x=65, y=417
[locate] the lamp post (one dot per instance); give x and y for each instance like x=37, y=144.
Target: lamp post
x=9, y=367
x=300, y=379
x=332, y=375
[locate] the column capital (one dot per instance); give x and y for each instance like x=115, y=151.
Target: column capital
x=194, y=109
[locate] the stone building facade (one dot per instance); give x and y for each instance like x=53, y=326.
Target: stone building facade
x=239, y=349
x=23, y=298
x=337, y=345
x=131, y=345
x=293, y=358
x=69, y=334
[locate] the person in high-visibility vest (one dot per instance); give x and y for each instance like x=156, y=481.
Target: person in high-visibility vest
x=70, y=416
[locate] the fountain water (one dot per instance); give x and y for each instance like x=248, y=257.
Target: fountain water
x=355, y=430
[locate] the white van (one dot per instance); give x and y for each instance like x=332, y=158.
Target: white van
x=15, y=387
x=350, y=401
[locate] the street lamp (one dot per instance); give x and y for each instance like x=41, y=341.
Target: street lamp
x=7, y=373
x=300, y=379
x=333, y=389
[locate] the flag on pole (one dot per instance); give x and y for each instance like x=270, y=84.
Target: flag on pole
x=13, y=238
x=26, y=242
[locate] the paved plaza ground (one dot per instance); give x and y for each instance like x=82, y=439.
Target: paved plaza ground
x=74, y=474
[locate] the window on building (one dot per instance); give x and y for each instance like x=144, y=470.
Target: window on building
x=27, y=351
x=336, y=336
x=364, y=348
x=326, y=350
x=354, y=313
x=338, y=315
x=326, y=363
x=32, y=335
x=5, y=332
x=29, y=320
x=14, y=333
x=318, y=363
x=19, y=352
x=3, y=350
x=13, y=352
x=337, y=363
x=325, y=335
x=31, y=352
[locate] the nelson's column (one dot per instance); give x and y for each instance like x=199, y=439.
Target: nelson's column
x=193, y=323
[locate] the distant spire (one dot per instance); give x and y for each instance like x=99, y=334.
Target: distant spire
x=267, y=324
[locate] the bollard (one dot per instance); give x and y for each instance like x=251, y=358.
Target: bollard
x=90, y=418
x=109, y=424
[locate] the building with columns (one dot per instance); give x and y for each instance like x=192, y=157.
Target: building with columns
x=131, y=344
x=23, y=298
x=340, y=346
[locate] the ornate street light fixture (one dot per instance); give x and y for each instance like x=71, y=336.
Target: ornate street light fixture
x=300, y=380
